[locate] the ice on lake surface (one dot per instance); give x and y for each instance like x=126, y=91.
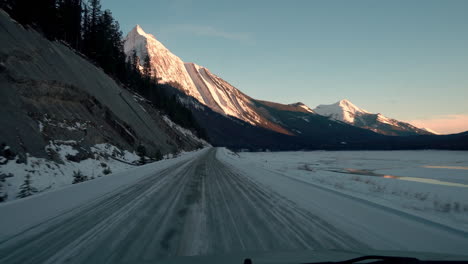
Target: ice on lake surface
x=446, y=167
x=428, y=183
x=443, y=166
x=415, y=179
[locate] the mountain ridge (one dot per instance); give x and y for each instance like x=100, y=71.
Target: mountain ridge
x=211, y=90
x=345, y=111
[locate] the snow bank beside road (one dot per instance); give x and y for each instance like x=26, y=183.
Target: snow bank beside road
x=21, y=214
x=46, y=174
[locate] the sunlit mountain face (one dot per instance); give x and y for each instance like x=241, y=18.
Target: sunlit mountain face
x=347, y=112
x=221, y=97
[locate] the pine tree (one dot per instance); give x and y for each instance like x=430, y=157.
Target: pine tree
x=3, y=193
x=134, y=60
x=158, y=155
x=85, y=22
x=26, y=189
x=47, y=18
x=79, y=177
x=147, y=67
x=95, y=13
x=91, y=35
x=141, y=151
x=69, y=22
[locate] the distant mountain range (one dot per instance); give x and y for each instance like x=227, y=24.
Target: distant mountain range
x=232, y=118
x=347, y=112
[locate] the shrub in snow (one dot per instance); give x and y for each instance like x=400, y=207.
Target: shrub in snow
x=79, y=177
x=6, y=152
x=3, y=194
x=158, y=155
x=26, y=189
x=176, y=153
x=107, y=171
x=141, y=151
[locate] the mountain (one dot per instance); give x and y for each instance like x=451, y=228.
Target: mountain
x=347, y=112
x=194, y=80
x=207, y=88
x=60, y=114
x=236, y=120
x=167, y=67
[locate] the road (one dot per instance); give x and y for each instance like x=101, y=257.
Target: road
x=196, y=207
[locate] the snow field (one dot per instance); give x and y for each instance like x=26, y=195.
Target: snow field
x=409, y=181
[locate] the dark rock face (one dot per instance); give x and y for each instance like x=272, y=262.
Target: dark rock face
x=49, y=92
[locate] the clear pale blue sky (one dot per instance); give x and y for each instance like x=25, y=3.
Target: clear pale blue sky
x=405, y=59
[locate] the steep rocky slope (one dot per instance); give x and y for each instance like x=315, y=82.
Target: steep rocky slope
x=57, y=106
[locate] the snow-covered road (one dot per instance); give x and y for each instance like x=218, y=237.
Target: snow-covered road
x=209, y=205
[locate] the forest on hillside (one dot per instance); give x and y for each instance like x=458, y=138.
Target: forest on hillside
x=94, y=33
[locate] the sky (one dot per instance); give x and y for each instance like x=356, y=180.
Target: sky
x=405, y=59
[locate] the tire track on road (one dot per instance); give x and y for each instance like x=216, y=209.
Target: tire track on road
x=202, y=206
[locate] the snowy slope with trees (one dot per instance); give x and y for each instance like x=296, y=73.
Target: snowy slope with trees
x=62, y=115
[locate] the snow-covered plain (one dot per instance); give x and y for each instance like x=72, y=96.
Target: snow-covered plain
x=429, y=184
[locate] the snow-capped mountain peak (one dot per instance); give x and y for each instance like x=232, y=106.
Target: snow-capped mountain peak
x=342, y=110
x=192, y=79
x=350, y=107
x=347, y=112
x=140, y=30
x=166, y=66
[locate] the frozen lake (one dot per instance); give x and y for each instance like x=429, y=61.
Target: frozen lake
x=443, y=166
x=432, y=184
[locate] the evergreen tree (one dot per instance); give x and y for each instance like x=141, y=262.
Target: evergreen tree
x=90, y=36
x=135, y=60
x=85, y=22
x=47, y=17
x=158, y=155
x=147, y=67
x=69, y=20
x=79, y=177
x=95, y=6
x=3, y=193
x=110, y=48
x=141, y=151
x=26, y=189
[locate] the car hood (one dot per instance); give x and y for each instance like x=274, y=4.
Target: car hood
x=301, y=257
